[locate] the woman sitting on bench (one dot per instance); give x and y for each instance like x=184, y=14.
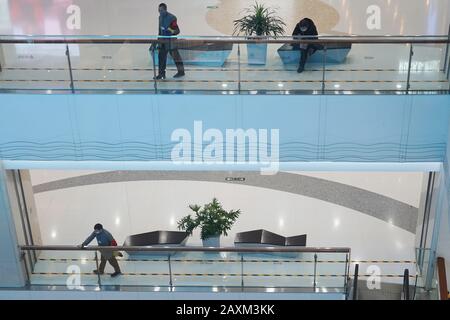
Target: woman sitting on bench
x=305, y=28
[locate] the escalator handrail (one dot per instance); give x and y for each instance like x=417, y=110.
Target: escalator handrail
x=406, y=284
x=442, y=279
x=355, y=283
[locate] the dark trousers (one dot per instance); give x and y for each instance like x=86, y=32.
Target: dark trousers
x=112, y=261
x=162, y=58
x=307, y=51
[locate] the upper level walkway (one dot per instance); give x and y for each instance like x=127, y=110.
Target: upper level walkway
x=226, y=65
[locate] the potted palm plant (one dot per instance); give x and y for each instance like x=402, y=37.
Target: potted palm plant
x=213, y=220
x=259, y=21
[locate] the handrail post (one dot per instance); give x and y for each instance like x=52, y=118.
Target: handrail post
x=355, y=282
x=415, y=284
x=170, y=272
x=315, y=271
x=447, y=57
x=408, y=81
x=24, y=262
x=349, y=266
x=324, y=61
x=155, y=82
x=242, y=272
x=239, y=68
x=345, y=275
x=72, y=87
x=98, y=271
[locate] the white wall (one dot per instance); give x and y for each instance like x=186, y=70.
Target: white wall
x=125, y=208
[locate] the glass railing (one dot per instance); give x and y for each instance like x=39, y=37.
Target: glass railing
x=426, y=286
x=225, y=65
x=249, y=269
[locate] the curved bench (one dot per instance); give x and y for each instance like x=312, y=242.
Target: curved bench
x=263, y=238
x=156, y=239
x=336, y=53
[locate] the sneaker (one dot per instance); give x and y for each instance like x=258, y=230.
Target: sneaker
x=96, y=272
x=300, y=69
x=159, y=77
x=179, y=74
x=115, y=274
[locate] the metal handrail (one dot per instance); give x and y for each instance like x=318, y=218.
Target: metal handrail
x=187, y=249
x=322, y=39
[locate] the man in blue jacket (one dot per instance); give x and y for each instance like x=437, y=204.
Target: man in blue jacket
x=168, y=27
x=104, y=239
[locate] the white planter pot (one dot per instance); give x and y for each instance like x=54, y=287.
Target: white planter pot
x=257, y=53
x=212, y=242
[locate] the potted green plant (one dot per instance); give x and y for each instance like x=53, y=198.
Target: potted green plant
x=259, y=21
x=213, y=220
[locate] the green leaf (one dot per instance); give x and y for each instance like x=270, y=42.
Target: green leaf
x=211, y=218
x=260, y=21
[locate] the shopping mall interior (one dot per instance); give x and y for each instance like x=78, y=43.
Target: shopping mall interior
x=332, y=182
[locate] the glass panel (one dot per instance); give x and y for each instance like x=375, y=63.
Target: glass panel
x=428, y=67
x=208, y=65
x=422, y=291
x=34, y=67
x=63, y=267
x=434, y=294
x=447, y=66
x=367, y=67
x=213, y=270
x=206, y=269
x=221, y=65
x=275, y=270
x=331, y=270
x=71, y=269
x=423, y=259
x=142, y=269
x=112, y=66
x=273, y=68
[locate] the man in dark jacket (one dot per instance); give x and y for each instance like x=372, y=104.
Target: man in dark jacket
x=104, y=239
x=168, y=27
x=305, y=28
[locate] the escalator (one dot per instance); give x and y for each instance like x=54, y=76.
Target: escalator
x=358, y=289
